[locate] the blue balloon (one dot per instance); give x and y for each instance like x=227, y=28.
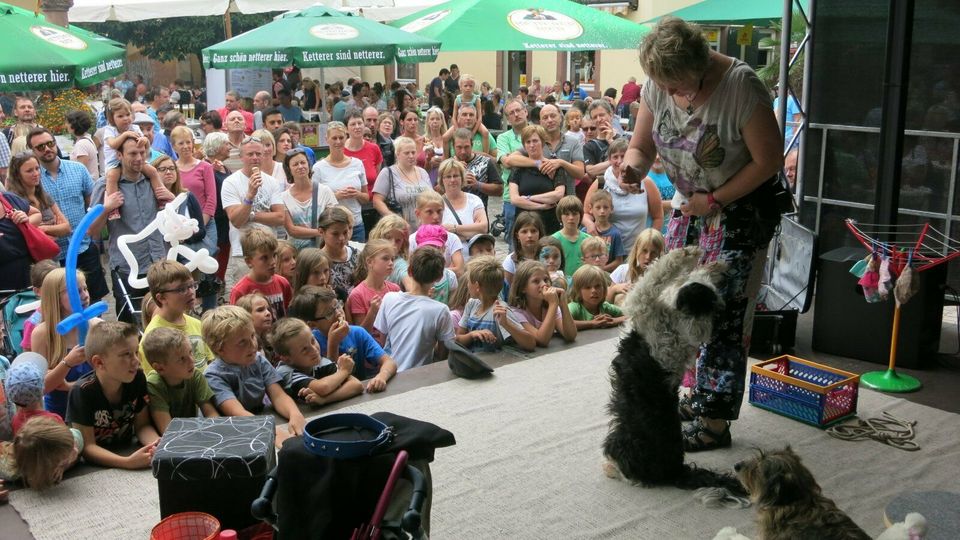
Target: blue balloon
x=80, y=317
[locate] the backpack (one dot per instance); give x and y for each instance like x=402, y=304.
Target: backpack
x=14, y=321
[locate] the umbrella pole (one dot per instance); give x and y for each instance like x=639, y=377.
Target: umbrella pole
x=227, y=25
x=890, y=380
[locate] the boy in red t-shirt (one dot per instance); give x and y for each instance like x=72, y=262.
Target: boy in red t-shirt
x=260, y=253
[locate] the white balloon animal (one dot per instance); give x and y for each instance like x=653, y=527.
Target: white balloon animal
x=175, y=228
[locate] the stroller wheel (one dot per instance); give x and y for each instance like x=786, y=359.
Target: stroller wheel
x=497, y=227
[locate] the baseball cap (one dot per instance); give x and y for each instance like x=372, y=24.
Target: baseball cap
x=478, y=237
x=142, y=118
x=432, y=235
x=24, y=385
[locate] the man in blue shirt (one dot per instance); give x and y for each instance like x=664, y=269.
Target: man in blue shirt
x=69, y=185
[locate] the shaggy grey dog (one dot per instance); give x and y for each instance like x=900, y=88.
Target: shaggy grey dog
x=670, y=313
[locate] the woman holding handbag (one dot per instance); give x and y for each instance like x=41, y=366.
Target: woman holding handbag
x=24, y=180
x=463, y=213
x=15, y=255
x=305, y=200
x=345, y=176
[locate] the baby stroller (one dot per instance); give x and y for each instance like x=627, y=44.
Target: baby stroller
x=17, y=307
x=353, y=476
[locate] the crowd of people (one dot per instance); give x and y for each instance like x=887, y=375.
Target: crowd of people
x=336, y=272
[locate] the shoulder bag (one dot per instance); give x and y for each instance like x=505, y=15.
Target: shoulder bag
x=450, y=206
x=315, y=242
x=38, y=243
x=392, y=203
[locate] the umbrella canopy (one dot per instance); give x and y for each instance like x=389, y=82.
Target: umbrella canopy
x=39, y=55
x=320, y=37
x=725, y=12
x=517, y=25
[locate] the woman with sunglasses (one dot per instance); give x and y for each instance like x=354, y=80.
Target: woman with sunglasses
x=300, y=220
x=345, y=176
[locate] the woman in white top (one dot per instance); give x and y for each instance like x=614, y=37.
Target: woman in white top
x=463, y=213
x=84, y=149
x=345, y=176
x=402, y=182
x=300, y=218
x=268, y=163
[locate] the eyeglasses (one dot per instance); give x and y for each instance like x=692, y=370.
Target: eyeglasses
x=332, y=315
x=45, y=145
x=595, y=257
x=249, y=140
x=171, y=168
x=585, y=128
x=183, y=289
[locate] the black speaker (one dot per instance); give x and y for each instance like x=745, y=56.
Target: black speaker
x=844, y=323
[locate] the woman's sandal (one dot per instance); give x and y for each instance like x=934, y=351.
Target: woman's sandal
x=698, y=438
x=685, y=409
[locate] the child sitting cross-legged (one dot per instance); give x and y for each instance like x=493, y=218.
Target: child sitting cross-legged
x=588, y=300
x=177, y=388
x=323, y=313
x=307, y=375
x=173, y=290
x=240, y=377
x=109, y=406
x=541, y=307
x=601, y=208
x=570, y=212
x=486, y=321
x=413, y=322
x=260, y=254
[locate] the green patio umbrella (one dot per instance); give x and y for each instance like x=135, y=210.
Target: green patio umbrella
x=320, y=37
x=518, y=25
x=736, y=12
x=38, y=55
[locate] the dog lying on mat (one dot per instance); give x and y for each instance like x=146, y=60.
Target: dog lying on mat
x=670, y=313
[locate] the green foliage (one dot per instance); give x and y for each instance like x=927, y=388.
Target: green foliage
x=177, y=37
x=770, y=74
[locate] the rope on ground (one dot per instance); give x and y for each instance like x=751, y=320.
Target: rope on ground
x=889, y=430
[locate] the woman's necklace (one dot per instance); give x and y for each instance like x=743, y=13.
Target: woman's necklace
x=409, y=176
x=697, y=93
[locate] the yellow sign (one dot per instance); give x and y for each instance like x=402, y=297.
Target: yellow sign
x=745, y=35
x=712, y=35
x=523, y=79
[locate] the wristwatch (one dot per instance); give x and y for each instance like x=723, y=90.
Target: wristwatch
x=713, y=202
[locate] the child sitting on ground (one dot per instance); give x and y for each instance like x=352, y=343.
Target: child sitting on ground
x=588, y=300
x=527, y=232
x=38, y=271
x=240, y=377
x=336, y=223
x=430, y=214
x=570, y=213
x=486, y=322
x=259, y=309
x=323, y=313
x=177, y=388
x=647, y=248
x=173, y=290
x=260, y=254
x=109, y=406
x=541, y=308
x=593, y=251
x=395, y=229
x=120, y=127
x=286, y=260
x=306, y=375
x=551, y=255
x=413, y=322
x=601, y=208
x=376, y=264
x=313, y=268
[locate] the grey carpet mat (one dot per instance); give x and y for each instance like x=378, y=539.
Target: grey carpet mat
x=527, y=464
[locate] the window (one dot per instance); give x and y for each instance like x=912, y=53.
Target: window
x=581, y=67
x=407, y=71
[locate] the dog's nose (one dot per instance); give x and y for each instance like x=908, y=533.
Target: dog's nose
x=738, y=466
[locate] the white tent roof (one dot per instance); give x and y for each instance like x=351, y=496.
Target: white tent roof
x=139, y=10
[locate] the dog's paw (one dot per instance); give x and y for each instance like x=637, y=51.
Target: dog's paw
x=729, y=533
x=610, y=470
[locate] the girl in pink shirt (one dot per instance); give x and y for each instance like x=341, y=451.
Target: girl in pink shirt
x=376, y=264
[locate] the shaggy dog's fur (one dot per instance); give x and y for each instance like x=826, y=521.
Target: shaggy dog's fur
x=670, y=312
x=789, y=503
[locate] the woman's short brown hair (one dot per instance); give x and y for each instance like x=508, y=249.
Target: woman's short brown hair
x=532, y=130
x=674, y=51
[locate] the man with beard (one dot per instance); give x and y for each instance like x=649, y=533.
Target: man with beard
x=563, y=152
x=483, y=176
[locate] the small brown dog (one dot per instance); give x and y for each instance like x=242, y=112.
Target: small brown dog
x=789, y=502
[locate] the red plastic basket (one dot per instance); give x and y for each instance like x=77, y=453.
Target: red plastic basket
x=187, y=526
x=812, y=393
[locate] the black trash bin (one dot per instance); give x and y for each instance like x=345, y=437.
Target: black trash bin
x=844, y=323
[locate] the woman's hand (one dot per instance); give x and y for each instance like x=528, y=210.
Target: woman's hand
x=696, y=205
x=18, y=216
x=346, y=193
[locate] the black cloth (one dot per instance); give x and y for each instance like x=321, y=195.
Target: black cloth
x=220, y=215
x=386, y=149
x=435, y=85
x=493, y=121
x=485, y=169
x=15, y=259
x=309, y=100
x=195, y=212
x=453, y=85
x=595, y=151
x=530, y=181
x=112, y=423
x=322, y=497
x=212, y=448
